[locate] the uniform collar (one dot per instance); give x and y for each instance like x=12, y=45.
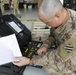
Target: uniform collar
x=67, y=17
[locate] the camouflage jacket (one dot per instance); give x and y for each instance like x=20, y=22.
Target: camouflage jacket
x=62, y=60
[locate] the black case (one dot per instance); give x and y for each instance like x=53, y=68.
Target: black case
x=23, y=35
x=9, y=24
x=0, y=13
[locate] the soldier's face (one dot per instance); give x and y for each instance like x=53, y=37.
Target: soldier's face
x=53, y=22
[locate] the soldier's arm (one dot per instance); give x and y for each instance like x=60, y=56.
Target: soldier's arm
x=50, y=40
x=65, y=51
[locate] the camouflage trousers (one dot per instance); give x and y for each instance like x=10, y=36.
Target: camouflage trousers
x=16, y=11
x=2, y=9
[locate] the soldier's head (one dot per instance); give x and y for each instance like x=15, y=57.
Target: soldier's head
x=52, y=12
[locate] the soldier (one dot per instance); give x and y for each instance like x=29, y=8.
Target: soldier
x=62, y=60
x=15, y=4
x=2, y=7
x=39, y=2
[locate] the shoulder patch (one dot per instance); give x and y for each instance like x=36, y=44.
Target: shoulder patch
x=68, y=48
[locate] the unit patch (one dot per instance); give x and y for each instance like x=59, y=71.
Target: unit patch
x=68, y=48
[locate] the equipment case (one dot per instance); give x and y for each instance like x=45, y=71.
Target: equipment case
x=9, y=24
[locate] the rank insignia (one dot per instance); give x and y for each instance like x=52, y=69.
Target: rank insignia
x=68, y=48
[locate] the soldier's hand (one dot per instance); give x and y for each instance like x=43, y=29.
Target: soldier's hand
x=21, y=61
x=41, y=50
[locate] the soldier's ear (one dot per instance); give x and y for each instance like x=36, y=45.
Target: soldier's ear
x=57, y=15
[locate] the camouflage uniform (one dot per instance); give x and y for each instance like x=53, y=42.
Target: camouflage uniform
x=15, y=4
x=2, y=7
x=61, y=61
x=39, y=2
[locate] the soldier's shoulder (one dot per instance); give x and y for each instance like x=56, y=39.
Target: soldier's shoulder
x=73, y=12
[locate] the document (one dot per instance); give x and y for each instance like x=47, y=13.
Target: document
x=9, y=49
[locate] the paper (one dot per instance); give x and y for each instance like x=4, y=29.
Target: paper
x=9, y=49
